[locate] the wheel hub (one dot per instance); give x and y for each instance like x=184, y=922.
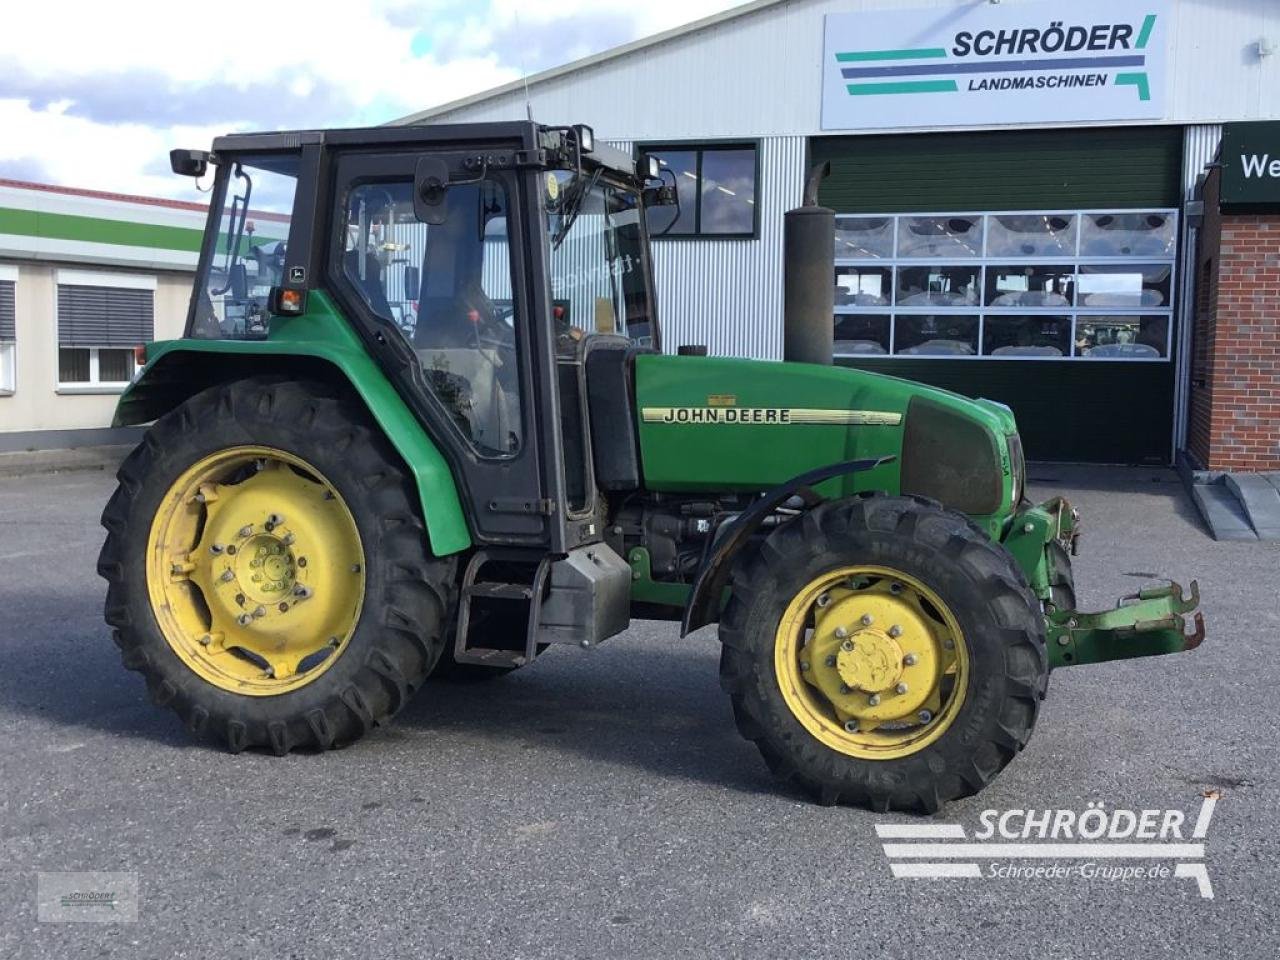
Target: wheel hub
x=265, y=568
x=870, y=662
x=265, y=571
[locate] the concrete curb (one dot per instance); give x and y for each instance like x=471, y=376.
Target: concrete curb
x=32, y=463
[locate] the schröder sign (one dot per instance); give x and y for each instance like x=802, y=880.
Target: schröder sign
x=995, y=64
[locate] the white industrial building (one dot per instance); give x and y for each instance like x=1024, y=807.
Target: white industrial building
x=1012, y=181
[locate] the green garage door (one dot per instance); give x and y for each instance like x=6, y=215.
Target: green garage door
x=1033, y=268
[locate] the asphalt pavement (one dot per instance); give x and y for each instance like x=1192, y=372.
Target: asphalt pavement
x=600, y=804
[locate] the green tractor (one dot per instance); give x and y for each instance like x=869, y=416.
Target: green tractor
x=421, y=423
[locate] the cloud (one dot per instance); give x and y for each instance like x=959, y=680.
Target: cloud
x=150, y=97
x=24, y=168
x=94, y=94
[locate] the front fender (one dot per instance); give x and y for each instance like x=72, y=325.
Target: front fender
x=318, y=344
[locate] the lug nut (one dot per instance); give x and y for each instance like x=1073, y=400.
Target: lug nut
x=909, y=660
x=804, y=664
x=275, y=518
x=1064, y=641
x=287, y=539
x=227, y=576
x=847, y=646
x=895, y=587
x=261, y=611
x=901, y=688
x=895, y=631
x=851, y=726
x=867, y=620
x=841, y=633
x=245, y=531
x=831, y=660
x=823, y=600
x=283, y=608
x=844, y=688
x=206, y=640
x=269, y=673
x=925, y=716
x=874, y=700
x=244, y=619
x=215, y=548
x=302, y=591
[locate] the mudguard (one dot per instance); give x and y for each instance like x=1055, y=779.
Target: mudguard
x=317, y=344
x=713, y=574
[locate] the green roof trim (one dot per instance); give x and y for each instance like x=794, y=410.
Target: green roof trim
x=65, y=226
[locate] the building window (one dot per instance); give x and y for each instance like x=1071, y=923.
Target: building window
x=101, y=319
x=1058, y=285
x=717, y=188
x=8, y=329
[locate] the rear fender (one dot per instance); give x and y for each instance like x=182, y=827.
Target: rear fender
x=178, y=369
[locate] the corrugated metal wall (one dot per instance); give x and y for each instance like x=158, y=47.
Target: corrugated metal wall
x=727, y=294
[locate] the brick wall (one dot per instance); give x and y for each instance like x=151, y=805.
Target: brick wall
x=1235, y=364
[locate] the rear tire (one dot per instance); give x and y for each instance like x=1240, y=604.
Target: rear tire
x=873, y=547
x=395, y=635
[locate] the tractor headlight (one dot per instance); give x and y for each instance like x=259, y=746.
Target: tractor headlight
x=950, y=457
x=1017, y=467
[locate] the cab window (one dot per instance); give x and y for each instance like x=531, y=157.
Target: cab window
x=447, y=290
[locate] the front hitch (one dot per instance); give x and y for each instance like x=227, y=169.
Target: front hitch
x=1148, y=623
x=1153, y=621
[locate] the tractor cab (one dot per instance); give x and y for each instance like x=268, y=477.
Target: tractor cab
x=499, y=273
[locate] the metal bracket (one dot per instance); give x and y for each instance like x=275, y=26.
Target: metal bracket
x=519, y=505
x=1148, y=623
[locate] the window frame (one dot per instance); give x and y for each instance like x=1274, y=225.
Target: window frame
x=1078, y=260
x=94, y=384
x=95, y=278
x=698, y=148
x=9, y=348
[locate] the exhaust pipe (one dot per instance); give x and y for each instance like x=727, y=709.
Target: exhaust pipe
x=808, y=264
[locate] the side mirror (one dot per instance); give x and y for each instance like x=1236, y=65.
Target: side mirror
x=412, y=281
x=430, y=186
x=663, y=196
x=189, y=163
x=239, y=282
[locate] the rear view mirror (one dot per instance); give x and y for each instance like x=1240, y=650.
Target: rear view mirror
x=189, y=163
x=430, y=185
x=239, y=277
x=411, y=283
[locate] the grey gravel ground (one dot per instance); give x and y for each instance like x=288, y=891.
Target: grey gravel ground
x=601, y=804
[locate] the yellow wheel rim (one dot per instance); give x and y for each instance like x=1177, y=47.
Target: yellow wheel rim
x=871, y=662
x=255, y=571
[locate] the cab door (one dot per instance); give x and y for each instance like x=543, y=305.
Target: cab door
x=447, y=309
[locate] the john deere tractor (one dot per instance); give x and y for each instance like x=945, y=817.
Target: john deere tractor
x=422, y=422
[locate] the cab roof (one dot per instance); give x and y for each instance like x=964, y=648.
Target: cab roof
x=520, y=134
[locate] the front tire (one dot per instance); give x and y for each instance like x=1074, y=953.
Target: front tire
x=267, y=568
x=883, y=652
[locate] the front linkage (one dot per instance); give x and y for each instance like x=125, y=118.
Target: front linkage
x=1145, y=624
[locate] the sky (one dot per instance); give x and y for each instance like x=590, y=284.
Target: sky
x=94, y=94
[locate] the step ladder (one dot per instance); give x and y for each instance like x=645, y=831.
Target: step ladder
x=478, y=592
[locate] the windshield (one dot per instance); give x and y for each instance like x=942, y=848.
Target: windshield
x=599, y=264
x=245, y=249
